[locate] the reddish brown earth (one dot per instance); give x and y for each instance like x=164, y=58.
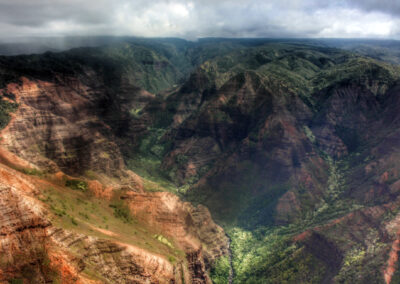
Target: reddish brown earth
x=52, y=128
x=392, y=263
x=251, y=138
x=331, y=241
x=47, y=132
x=192, y=227
x=257, y=148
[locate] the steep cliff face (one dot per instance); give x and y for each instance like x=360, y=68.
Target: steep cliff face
x=56, y=128
x=192, y=226
x=293, y=148
x=23, y=234
x=287, y=136
x=35, y=247
x=64, y=126
x=116, y=262
x=34, y=250
x=27, y=251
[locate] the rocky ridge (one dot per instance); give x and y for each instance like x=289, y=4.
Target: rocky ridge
x=294, y=148
x=57, y=129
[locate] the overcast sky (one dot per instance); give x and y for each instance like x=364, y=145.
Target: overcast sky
x=201, y=18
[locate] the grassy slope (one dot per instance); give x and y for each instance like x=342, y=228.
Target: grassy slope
x=77, y=210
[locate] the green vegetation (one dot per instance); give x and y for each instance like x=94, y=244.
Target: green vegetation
x=33, y=172
x=121, y=211
x=163, y=240
x=309, y=134
x=81, y=212
x=76, y=184
x=355, y=256
x=266, y=254
x=171, y=259
x=74, y=222
x=359, y=264
x=5, y=108
x=220, y=271
x=396, y=275
x=16, y=281
x=245, y=192
x=146, y=161
x=335, y=181
x=255, y=132
x=135, y=112
x=270, y=257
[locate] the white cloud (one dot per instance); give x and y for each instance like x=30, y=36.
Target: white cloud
x=191, y=19
x=354, y=23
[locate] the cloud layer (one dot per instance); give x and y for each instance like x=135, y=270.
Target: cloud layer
x=201, y=18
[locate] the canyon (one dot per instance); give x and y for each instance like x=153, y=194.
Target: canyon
x=218, y=161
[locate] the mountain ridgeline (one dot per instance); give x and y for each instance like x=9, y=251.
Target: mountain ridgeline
x=292, y=147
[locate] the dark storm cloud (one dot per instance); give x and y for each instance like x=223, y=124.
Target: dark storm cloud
x=40, y=12
x=200, y=18
x=386, y=6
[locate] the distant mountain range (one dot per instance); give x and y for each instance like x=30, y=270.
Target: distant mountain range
x=133, y=160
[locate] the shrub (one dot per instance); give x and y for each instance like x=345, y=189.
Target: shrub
x=76, y=184
x=220, y=272
x=32, y=172
x=5, y=109
x=74, y=222
x=16, y=281
x=122, y=212
x=163, y=240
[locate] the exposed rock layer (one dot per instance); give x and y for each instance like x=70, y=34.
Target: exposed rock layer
x=56, y=128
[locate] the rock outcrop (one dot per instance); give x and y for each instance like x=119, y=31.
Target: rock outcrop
x=116, y=262
x=192, y=227
x=33, y=249
x=302, y=137
x=58, y=127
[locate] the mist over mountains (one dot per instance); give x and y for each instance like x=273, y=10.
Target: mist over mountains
x=209, y=161
x=199, y=142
